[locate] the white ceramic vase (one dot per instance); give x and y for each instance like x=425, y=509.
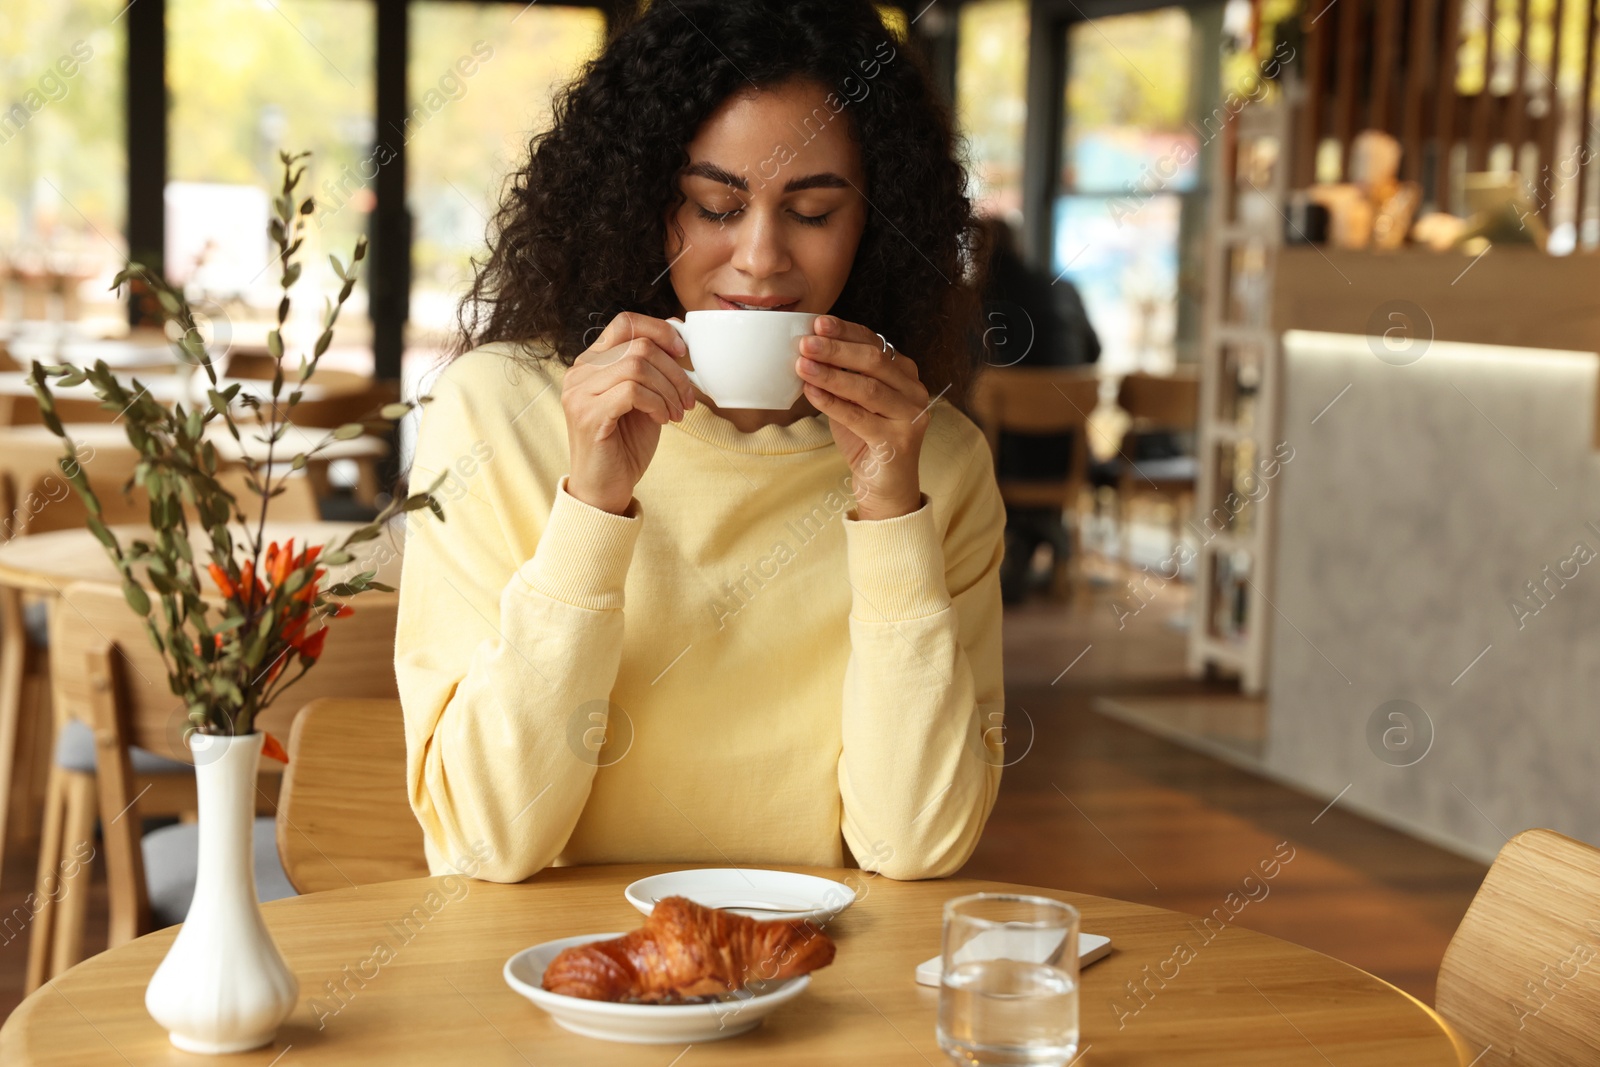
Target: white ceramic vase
x=223, y=986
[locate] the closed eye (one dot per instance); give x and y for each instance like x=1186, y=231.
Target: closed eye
x=724, y=216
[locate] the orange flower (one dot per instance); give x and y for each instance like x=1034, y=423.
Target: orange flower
x=308, y=592
x=224, y=583
x=295, y=627
x=280, y=563
x=248, y=584
x=272, y=750
x=311, y=647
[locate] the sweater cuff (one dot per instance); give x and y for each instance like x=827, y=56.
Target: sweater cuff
x=583, y=555
x=896, y=566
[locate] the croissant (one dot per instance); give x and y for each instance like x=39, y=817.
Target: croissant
x=686, y=951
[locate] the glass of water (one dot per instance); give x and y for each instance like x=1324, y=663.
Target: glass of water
x=1008, y=989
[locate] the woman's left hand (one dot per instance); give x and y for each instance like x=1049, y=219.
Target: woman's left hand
x=878, y=409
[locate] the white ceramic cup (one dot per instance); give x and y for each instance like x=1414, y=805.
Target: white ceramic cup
x=745, y=359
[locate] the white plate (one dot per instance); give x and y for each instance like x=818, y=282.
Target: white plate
x=817, y=899
x=641, y=1023
x=1016, y=945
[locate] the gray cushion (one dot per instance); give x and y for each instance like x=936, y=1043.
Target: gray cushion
x=172, y=860
x=75, y=752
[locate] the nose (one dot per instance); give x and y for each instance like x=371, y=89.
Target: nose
x=759, y=247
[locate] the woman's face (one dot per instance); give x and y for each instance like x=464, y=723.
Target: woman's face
x=774, y=204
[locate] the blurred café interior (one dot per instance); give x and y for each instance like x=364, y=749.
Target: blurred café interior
x=1291, y=379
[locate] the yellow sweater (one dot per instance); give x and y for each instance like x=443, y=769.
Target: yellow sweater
x=738, y=671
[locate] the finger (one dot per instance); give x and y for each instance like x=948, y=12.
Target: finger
x=663, y=360
x=628, y=395
x=844, y=330
x=855, y=418
x=832, y=326
x=644, y=362
x=631, y=324
x=861, y=357
x=895, y=397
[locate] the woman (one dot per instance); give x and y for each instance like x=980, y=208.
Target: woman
x=651, y=629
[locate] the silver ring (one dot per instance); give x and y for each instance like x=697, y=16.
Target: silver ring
x=885, y=341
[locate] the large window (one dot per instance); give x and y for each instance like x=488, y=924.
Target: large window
x=1128, y=158
x=62, y=164
x=992, y=101
x=248, y=79
x=481, y=78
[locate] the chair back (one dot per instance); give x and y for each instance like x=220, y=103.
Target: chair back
x=344, y=813
x=24, y=410
x=1167, y=401
x=250, y=361
x=347, y=397
x=40, y=499
x=1038, y=400
x=51, y=504
x=1520, y=973
x=106, y=671
x=39, y=496
x=297, y=502
x=94, y=616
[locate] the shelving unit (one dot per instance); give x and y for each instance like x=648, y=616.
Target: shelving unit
x=1239, y=371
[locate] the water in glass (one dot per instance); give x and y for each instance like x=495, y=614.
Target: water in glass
x=1009, y=1012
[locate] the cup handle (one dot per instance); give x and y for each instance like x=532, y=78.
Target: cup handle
x=677, y=324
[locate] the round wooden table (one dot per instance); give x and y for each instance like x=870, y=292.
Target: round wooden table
x=45, y=563
x=410, y=973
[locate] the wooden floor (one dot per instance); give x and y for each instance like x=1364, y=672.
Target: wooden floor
x=1099, y=806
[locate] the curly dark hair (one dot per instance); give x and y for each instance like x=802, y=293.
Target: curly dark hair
x=580, y=237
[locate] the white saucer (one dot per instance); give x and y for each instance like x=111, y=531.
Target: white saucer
x=641, y=1023
x=817, y=899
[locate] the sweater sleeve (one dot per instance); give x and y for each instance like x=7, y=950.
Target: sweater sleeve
x=923, y=693
x=503, y=664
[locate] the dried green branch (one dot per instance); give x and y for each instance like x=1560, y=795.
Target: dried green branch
x=226, y=660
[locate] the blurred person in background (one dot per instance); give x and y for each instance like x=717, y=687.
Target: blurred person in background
x=1031, y=321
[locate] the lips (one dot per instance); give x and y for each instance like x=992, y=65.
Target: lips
x=749, y=302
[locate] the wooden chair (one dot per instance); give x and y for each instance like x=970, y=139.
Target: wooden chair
x=35, y=497
x=119, y=687
x=42, y=500
x=1520, y=974
x=351, y=398
x=344, y=816
x=297, y=503
x=24, y=410
x=1042, y=400
x=1164, y=404
x=54, y=783
x=249, y=361
x=45, y=502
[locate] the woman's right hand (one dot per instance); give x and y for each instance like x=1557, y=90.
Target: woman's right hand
x=617, y=395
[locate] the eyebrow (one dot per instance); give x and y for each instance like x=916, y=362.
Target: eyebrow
x=823, y=180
